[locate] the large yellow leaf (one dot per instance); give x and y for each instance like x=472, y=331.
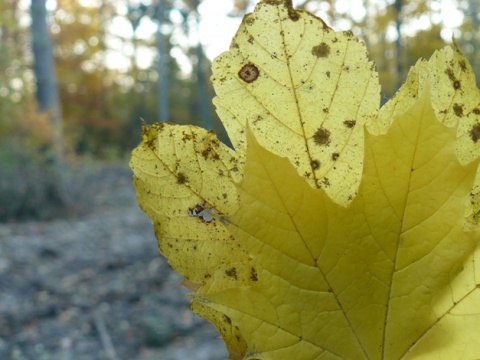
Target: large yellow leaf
x=305, y=90
x=390, y=277
x=286, y=271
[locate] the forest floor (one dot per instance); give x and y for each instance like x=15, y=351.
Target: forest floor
x=96, y=287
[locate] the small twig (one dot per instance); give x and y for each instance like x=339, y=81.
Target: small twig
x=104, y=336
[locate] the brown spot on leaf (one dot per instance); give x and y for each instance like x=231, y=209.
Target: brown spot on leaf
x=249, y=20
x=456, y=84
x=253, y=274
x=315, y=164
x=249, y=73
x=463, y=65
x=232, y=273
x=292, y=14
x=325, y=181
x=321, y=137
x=476, y=111
x=450, y=74
x=322, y=50
x=475, y=133
x=458, y=109
x=335, y=156
x=349, y=123
x=227, y=319
x=181, y=178
x=206, y=152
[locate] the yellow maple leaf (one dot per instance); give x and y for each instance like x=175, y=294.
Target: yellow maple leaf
x=182, y=175
x=376, y=280
x=287, y=271
x=455, y=101
x=305, y=90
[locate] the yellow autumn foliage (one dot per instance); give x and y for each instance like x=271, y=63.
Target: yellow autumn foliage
x=314, y=239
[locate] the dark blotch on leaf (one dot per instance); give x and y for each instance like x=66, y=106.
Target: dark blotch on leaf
x=475, y=133
x=349, y=123
x=456, y=84
x=206, y=152
x=253, y=274
x=450, y=74
x=315, y=164
x=249, y=73
x=227, y=319
x=181, y=178
x=322, y=50
x=458, y=109
x=335, y=156
x=292, y=14
x=321, y=137
x=232, y=273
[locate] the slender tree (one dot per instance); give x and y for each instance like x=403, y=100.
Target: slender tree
x=203, y=97
x=162, y=66
x=398, y=43
x=47, y=92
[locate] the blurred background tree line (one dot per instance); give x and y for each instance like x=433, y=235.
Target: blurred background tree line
x=76, y=77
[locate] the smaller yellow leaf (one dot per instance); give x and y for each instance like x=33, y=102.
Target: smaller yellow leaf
x=183, y=177
x=455, y=101
x=305, y=90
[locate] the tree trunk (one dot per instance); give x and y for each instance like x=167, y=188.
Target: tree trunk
x=398, y=44
x=202, y=88
x=47, y=92
x=163, y=103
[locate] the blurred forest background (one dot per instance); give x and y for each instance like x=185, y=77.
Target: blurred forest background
x=76, y=77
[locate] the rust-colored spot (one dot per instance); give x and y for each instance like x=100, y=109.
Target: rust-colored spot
x=456, y=84
x=335, y=156
x=292, y=14
x=249, y=73
x=349, y=123
x=315, y=164
x=227, y=319
x=206, y=152
x=249, y=20
x=321, y=137
x=232, y=273
x=321, y=51
x=450, y=74
x=253, y=274
x=463, y=65
x=475, y=133
x=181, y=178
x=476, y=111
x=325, y=181
x=458, y=109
